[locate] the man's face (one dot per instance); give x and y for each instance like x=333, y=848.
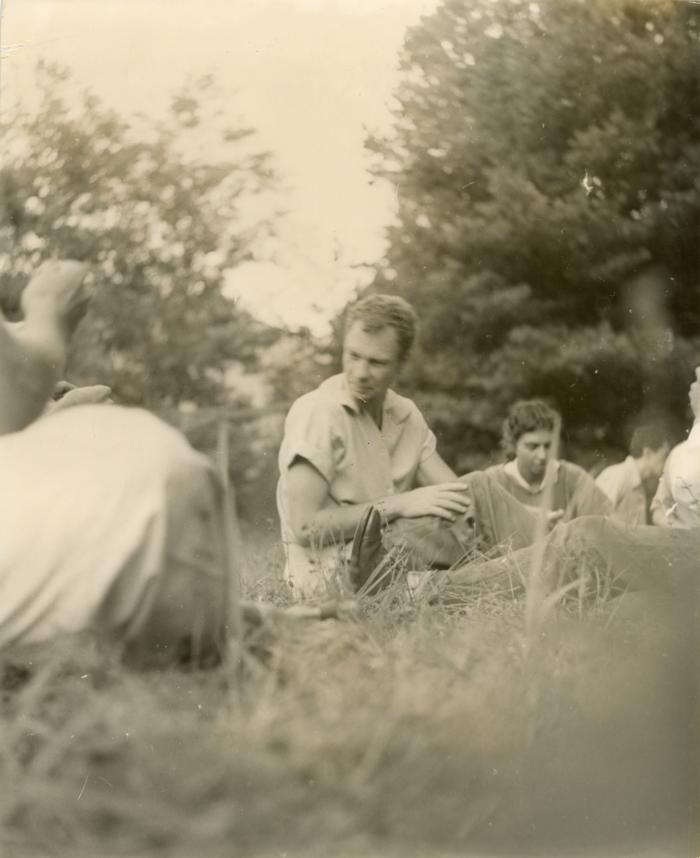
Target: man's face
x=370, y=362
x=694, y=393
x=532, y=452
x=655, y=460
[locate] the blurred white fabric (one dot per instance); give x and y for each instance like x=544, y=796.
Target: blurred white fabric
x=678, y=493
x=97, y=504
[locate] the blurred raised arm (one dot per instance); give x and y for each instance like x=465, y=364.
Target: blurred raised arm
x=33, y=353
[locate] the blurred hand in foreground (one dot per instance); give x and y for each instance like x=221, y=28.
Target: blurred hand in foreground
x=67, y=395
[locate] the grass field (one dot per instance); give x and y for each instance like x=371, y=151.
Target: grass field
x=405, y=730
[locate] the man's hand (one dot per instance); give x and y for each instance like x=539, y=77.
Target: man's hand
x=554, y=516
x=663, y=516
x=315, y=519
x=446, y=500
x=57, y=292
x=67, y=395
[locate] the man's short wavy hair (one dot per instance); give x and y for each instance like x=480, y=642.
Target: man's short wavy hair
x=652, y=436
x=376, y=312
x=527, y=415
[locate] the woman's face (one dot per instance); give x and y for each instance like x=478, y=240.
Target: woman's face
x=532, y=453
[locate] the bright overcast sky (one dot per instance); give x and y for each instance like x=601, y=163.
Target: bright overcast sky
x=310, y=75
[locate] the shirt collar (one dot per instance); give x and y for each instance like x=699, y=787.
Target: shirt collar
x=395, y=406
x=511, y=468
x=694, y=434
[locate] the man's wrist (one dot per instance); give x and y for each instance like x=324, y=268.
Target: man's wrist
x=388, y=508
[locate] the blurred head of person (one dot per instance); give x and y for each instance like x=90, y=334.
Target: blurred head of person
x=528, y=437
x=649, y=447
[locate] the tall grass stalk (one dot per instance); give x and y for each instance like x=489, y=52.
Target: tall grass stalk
x=233, y=547
x=536, y=590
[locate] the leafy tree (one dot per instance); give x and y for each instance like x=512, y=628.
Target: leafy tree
x=297, y=363
x=546, y=157
x=160, y=223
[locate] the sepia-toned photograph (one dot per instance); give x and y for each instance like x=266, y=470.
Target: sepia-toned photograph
x=349, y=428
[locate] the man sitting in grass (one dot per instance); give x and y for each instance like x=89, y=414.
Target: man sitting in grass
x=354, y=443
x=631, y=484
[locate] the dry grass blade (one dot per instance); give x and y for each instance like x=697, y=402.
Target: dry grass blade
x=536, y=586
x=233, y=546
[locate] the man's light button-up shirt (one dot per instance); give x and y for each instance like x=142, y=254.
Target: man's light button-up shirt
x=622, y=483
x=359, y=461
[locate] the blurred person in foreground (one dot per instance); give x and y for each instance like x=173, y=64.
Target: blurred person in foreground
x=631, y=484
x=533, y=476
x=111, y=522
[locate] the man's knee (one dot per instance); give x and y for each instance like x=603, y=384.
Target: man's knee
x=432, y=542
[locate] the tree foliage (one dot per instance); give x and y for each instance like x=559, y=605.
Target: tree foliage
x=160, y=224
x=546, y=159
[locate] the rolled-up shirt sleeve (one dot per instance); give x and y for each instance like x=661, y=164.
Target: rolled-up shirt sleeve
x=309, y=434
x=422, y=433
x=429, y=445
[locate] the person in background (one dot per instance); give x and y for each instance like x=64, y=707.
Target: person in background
x=532, y=475
x=677, y=499
x=631, y=484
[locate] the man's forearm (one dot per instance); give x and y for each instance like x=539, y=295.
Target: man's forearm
x=315, y=522
x=339, y=523
x=333, y=524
